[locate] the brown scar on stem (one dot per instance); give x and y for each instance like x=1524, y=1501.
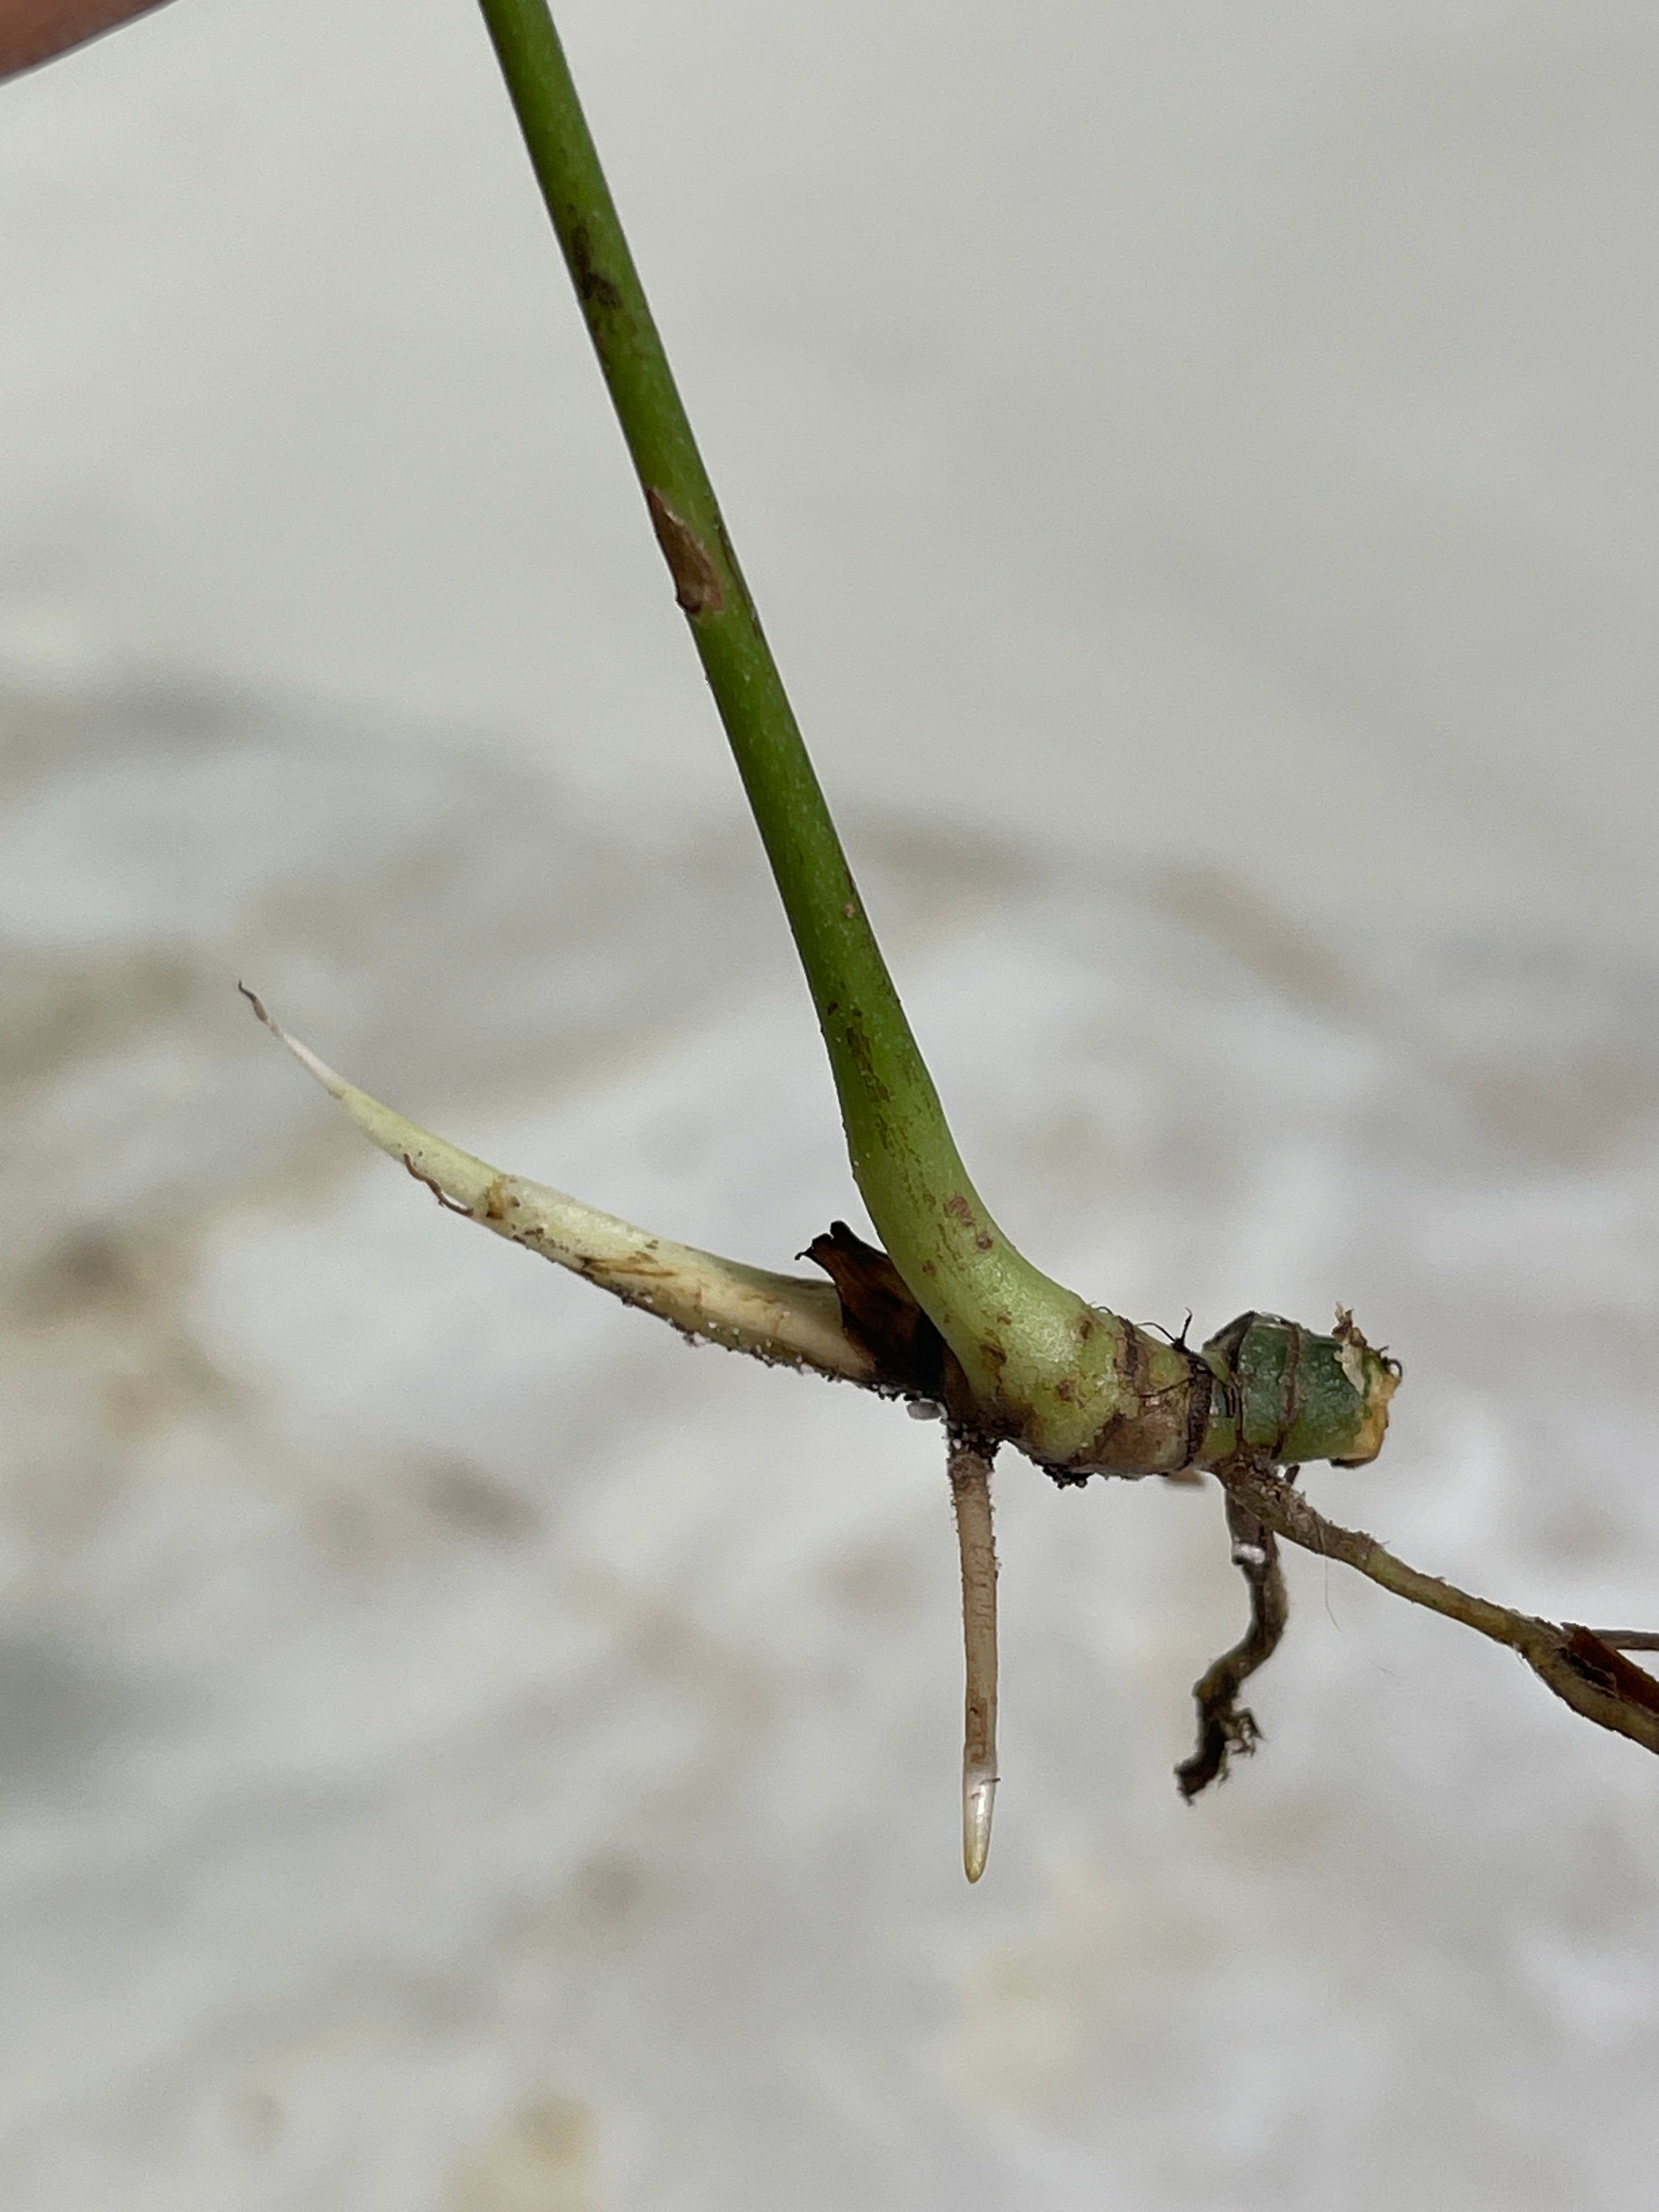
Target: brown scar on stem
x=697, y=587
x=593, y=287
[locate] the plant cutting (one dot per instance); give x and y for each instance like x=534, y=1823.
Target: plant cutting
x=943, y=1312
x=946, y=1313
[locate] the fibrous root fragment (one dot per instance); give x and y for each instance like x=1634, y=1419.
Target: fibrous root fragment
x=1584, y=1668
x=1227, y=1729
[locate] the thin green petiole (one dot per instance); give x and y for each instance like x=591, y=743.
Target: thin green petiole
x=1006, y=1322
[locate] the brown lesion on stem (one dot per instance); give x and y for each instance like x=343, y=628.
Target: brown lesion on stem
x=697, y=587
x=970, y=1494
x=1227, y=1729
x=594, y=288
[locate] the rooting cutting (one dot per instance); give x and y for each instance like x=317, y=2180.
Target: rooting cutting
x=863, y=1327
x=946, y=1313
x=950, y=1316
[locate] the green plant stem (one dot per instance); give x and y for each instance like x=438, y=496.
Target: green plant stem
x=1008, y=1324
x=1074, y=1386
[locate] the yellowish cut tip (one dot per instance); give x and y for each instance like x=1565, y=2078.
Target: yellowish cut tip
x=978, y=1799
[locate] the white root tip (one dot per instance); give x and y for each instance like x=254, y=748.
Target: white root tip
x=979, y=1798
x=335, y=1085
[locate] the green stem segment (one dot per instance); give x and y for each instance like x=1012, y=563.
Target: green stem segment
x=1074, y=1386
x=992, y=1306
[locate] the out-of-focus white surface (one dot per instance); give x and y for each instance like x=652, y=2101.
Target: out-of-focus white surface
x=460, y=1748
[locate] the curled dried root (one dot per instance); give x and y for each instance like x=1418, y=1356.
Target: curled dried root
x=1227, y=1729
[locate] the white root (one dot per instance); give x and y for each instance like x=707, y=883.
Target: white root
x=785, y=1320
x=970, y=1493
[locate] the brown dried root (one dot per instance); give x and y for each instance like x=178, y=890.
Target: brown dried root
x=1582, y=1667
x=1227, y=1729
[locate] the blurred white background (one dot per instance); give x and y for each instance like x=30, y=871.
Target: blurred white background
x=460, y=1749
